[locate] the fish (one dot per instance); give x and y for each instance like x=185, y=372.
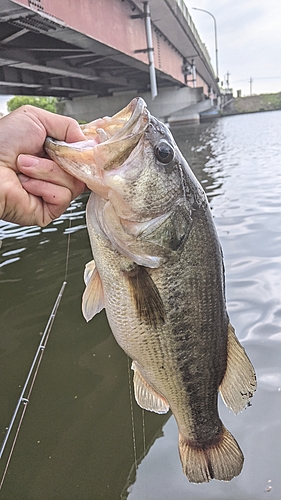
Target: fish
x=158, y=272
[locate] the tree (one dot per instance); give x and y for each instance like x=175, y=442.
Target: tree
x=48, y=103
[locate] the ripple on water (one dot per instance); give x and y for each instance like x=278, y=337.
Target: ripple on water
x=270, y=379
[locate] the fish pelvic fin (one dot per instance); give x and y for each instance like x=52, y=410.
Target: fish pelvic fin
x=93, y=296
x=239, y=382
x=222, y=460
x=146, y=397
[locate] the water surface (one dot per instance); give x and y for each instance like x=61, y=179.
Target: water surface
x=76, y=438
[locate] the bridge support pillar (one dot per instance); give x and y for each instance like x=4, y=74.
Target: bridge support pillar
x=168, y=102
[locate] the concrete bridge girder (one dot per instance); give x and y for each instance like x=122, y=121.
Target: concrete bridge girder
x=171, y=105
x=37, y=43
x=59, y=48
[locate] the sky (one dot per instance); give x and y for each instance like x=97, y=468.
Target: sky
x=249, y=42
x=3, y=100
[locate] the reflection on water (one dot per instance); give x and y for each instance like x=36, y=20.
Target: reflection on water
x=76, y=439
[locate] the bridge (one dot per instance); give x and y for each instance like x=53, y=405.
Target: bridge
x=95, y=54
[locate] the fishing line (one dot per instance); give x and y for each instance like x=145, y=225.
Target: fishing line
x=143, y=430
x=33, y=371
x=124, y=492
x=68, y=246
x=132, y=413
x=144, y=444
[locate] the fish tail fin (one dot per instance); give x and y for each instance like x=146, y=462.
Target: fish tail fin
x=222, y=460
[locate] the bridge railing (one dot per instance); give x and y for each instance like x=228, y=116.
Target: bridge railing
x=194, y=31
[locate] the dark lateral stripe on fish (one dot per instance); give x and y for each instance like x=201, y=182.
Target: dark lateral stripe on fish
x=146, y=296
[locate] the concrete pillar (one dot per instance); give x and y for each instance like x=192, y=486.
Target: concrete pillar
x=167, y=102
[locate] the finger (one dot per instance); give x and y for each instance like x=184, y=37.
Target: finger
x=55, y=198
x=51, y=193
x=60, y=127
x=43, y=169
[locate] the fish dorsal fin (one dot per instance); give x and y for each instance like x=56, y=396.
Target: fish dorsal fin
x=239, y=382
x=93, y=296
x=146, y=397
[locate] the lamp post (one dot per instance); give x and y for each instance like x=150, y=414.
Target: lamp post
x=216, y=39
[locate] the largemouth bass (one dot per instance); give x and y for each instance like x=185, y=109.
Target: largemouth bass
x=158, y=272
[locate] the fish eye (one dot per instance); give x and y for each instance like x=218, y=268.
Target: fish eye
x=164, y=152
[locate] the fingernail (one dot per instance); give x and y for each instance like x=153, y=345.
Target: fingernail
x=27, y=161
x=23, y=178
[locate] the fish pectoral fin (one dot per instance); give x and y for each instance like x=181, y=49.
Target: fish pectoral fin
x=93, y=296
x=239, y=382
x=147, y=299
x=146, y=397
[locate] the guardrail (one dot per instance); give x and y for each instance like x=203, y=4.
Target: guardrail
x=181, y=4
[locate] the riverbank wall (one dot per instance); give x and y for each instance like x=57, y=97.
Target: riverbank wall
x=252, y=104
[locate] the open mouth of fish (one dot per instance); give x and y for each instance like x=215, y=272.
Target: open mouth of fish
x=108, y=143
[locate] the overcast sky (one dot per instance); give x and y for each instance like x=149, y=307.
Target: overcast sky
x=249, y=41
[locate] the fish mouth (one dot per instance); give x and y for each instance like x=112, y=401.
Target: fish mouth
x=108, y=142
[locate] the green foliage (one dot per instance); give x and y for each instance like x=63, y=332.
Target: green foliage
x=272, y=100
x=255, y=103
x=48, y=103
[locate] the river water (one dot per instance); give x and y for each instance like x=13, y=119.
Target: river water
x=76, y=438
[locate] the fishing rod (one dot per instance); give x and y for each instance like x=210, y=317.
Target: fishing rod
x=32, y=374
x=34, y=367
x=29, y=382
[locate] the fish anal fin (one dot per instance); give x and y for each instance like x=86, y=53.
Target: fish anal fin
x=146, y=296
x=239, y=382
x=90, y=268
x=146, y=397
x=222, y=460
x=93, y=296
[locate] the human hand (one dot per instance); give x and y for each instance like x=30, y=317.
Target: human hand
x=34, y=190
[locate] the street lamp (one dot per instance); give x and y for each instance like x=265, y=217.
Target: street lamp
x=216, y=40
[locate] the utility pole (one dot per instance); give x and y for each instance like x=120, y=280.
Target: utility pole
x=251, y=84
x=227, y=79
